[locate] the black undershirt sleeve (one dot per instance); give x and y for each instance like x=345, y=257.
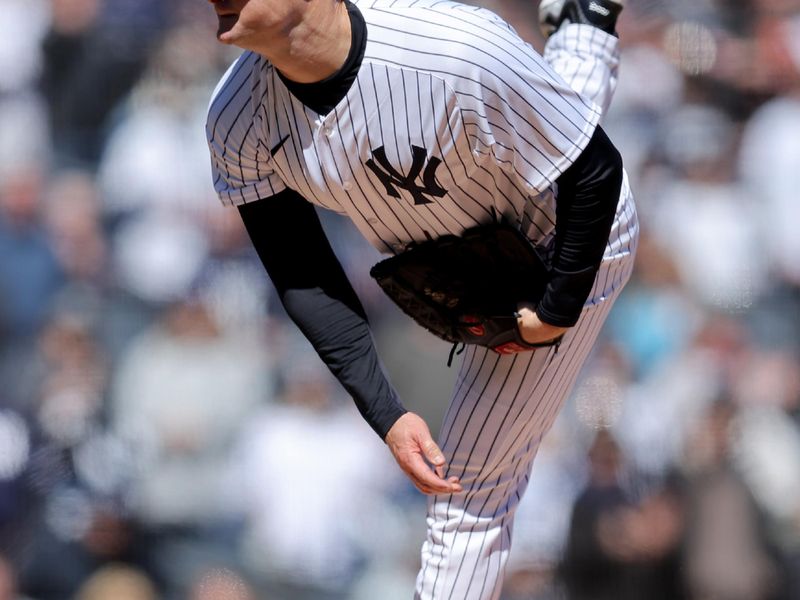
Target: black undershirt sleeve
x=311, y=284
x=317, y=295
x=588, y=193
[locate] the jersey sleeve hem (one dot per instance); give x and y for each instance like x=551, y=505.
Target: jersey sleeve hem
x=249, y=193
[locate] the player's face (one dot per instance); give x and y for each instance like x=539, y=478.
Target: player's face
x=250, y=23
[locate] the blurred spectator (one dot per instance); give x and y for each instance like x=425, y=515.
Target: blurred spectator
x=119, y=582
x=158, y=256
x=75, y=538
x=75, y=470
x=727, y=554
x=313, y=488
x=589, y=569
x=15, y=495
x=64, y=48
x=29, y=271
x=82, y=245
x=767, y=452
x=72, y=212
x=73, y=383
x=181, y=394
x=617, y=549
x=30, y=277
x=766, y=448
x=661, y=410
x=704, y=219
x=139, y=170
x=24, y=133
x=232, y=281
x=637, y=110
x=21, y=32
x=8, y=582
x=769, y=163
x=222, y=584
x=643, y=322
x=95, y=54
x=44, y=449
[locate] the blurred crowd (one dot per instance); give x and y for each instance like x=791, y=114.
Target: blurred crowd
x=166, y=434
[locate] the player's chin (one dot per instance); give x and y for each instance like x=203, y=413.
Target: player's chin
x=226, y=31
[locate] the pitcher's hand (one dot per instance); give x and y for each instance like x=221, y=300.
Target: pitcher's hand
x=532, y=329
x=413, y=448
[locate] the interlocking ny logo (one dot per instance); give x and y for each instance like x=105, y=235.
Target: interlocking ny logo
x=392, y=179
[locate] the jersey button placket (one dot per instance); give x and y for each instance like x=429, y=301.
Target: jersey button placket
x=328, y=155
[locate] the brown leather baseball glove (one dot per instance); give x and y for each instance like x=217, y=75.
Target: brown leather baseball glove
x=465, y=289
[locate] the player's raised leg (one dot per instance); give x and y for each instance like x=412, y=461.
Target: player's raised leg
x=582, y=46
x=597, y=13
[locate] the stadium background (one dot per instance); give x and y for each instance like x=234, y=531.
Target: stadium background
x=164, y=434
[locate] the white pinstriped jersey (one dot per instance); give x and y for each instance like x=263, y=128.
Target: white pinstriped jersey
x=452, y=115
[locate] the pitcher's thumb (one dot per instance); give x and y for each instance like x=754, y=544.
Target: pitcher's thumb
x=432, y=453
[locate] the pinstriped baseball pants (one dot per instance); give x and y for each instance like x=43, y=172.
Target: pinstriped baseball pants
x=501, y=408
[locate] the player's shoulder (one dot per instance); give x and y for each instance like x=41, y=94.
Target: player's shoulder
x=460, y=18
x=456, y=42
x=237, y=83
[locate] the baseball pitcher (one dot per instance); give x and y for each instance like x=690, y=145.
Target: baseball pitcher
x=467, y=158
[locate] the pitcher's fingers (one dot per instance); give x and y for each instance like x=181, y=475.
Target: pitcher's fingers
x=422, y=475
x=434, y=456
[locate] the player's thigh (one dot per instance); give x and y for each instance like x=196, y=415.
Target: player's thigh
x=502, y=403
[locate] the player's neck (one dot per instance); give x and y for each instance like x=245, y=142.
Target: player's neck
x=315, y=47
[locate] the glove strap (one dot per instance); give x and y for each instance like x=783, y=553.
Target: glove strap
x=453, y=352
